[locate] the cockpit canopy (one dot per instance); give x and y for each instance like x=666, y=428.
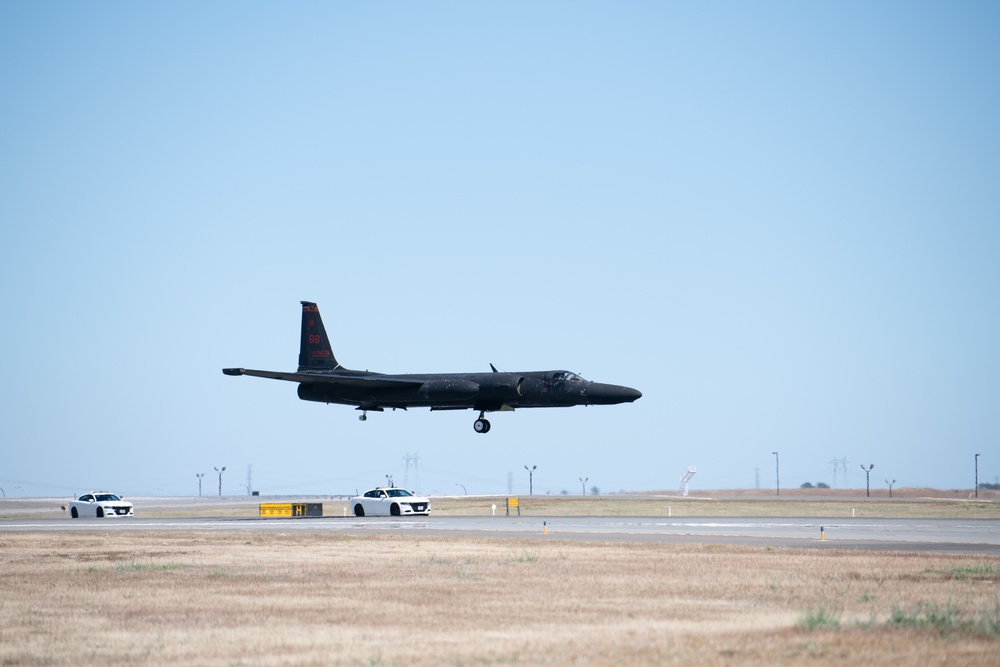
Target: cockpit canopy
x=567, y=376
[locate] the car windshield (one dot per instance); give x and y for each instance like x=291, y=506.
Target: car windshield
x=398, y=493
x=107, y=497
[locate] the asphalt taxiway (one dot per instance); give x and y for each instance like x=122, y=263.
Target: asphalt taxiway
x=968, y=536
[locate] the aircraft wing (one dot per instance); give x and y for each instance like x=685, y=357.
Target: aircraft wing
x=367, y=380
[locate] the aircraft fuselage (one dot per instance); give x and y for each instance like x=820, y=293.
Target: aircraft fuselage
x=463, y=391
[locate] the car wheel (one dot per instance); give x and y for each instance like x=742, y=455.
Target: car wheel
x=359, y=510
x=73, y=513
x=394, y=510
x=100, y=512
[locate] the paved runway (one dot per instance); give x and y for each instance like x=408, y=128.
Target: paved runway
x=969, y=536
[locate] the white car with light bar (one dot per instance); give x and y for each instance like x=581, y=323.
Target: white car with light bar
x=99, y=504
x=390, y=502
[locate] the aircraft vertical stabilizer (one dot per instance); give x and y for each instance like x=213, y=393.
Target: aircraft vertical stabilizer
x=315, y=353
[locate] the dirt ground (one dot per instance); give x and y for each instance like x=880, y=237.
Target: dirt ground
x=150, y=598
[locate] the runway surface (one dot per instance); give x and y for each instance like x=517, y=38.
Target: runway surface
x=969, y=536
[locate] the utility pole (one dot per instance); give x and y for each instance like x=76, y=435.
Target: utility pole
x=531, y=485
x=220, y=479
x=868, y=473
x=583, y=485
x=777, y=477
x=199, y=475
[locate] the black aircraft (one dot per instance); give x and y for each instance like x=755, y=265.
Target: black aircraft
x=322, y=379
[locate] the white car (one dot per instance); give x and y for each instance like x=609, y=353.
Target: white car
x=390, y=502
x=99, y=504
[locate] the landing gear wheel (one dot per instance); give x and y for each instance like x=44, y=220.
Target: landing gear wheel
x=363, y=417
x=481, y=426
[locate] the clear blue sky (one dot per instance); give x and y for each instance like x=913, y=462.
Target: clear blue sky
x=779, y=220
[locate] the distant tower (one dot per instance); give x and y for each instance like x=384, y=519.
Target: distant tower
x=842, y=464
x=411, y=460
x=756, y=474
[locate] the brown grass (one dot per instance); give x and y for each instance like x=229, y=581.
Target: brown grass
x=314, y=599
x=911, y=503
x=652, y=505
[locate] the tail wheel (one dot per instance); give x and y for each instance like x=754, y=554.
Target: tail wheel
x=481, y=426
x=394, y=510
x=359, y=510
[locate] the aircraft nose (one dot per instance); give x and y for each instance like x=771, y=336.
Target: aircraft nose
x=630, y=395
x=610, y=394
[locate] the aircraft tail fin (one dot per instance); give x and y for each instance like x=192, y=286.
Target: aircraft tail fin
x=315, y=353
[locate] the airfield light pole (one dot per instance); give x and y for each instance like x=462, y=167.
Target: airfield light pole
x=199, y=475
x=220, y=478
x=777, y=477
x=531, y=483
x=890, y=486
x=463, y=488
x=583, y=485
x=977, y=475
x=868, y=475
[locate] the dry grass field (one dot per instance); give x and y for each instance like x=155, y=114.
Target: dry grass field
x=832, y=503
x=723, y=505
x=147, y=598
